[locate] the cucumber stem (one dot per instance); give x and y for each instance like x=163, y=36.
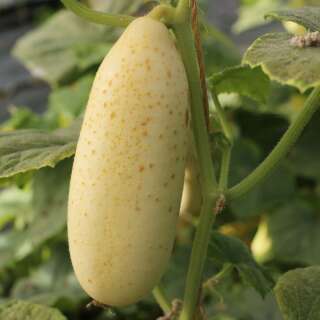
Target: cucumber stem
x=114, y=20
x=183, y=12
x=164, y=13
x=281, y=149
x=187, y=48
x=162, y=300
x=225, y=168
x=186, y=42
x=227, y=150
x=222, y=117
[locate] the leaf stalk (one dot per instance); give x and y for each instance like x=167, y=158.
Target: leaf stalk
x=281, y=149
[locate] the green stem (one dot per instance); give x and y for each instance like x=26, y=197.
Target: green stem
x=185, y=40
x=165, y=13
x=212, y=282
x=227, y=150
x=222, y=117
x=281, y=149
x=188, y=51
x=162, y=300
x=114, y=20
x=225, y=168
x=183, y=11
x=198, y=258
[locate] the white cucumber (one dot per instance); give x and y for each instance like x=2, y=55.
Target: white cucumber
x=129, y=166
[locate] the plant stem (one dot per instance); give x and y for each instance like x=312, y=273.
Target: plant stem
x=183, y=12
x=225, y=168
x=185, y=38
x=280, y=150
x=162, y=300
x=227, y=150
x=185, y=41
x=114, y=20
x=222, y=117
x=165, y=13
x=201, y=63
x=213, y=281
x=198, y=258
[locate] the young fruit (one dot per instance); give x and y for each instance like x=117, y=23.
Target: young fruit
x=129, y=166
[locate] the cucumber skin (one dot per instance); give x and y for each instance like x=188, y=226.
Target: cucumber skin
x=128, y=171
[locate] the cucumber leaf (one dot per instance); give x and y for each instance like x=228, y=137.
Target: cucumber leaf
x=68, y=102
x=246, y=81
x=298, y=294
x=22, y=151
x=226, y=249
x=52, y=283
x=309, y=17
x=250, y=14
x=65, y=46
x=247, y=155
x=240, y=302
x=53, y=51
x=20, y=310
x=49, y=217
x=295, y=223
x=284, y=62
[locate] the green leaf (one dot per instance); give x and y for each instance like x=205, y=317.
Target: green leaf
x=304, y=158
x=173, y=280
x=68, y=102
x=309, y=17
x=65, y=45
x=22, y=151
x=290, y=234
x=225, y=249
x=49, y=204
x=52, y=282
x=21, y=118
x=15, y=204
x=20, y=310
x=243, y=80
x=91, y=54
x=51, y=52
x=285, y=63
x=219, y=51
x=246, y=157
x=251, y=14
x=242, y=303
x=265, y=196
x=298, y=294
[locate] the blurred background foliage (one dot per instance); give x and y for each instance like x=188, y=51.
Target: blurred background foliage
x=48, y=58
